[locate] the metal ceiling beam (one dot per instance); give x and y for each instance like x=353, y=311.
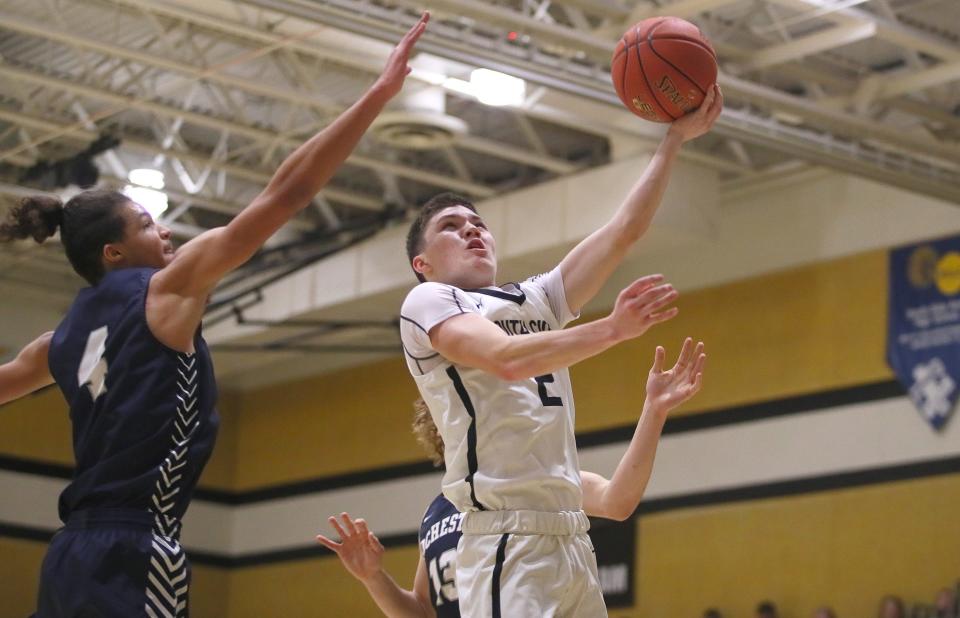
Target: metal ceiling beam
x=271, y=91
x=601, y=8
x=763, y=96
x=923, y=111
x=830, y=38
x=851, y=157
x=357, y=59
x=925, y=158
x=915, y=81
x=682, y=8
x=840, y=122
x=12, y=22
x=888, y=30
x=517, y=155
x=220, y=124
x=260, y=177
x=506, y=18
x=349, y=58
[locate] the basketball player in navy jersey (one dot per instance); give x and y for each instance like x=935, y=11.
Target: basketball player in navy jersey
x=491, y=363
x=434, y=588
x=131, y=362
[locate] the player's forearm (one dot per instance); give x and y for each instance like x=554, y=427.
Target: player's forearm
x=393, y=601
x=28, y=372
x=636, y=213
x=529, y=356
x=629, y=481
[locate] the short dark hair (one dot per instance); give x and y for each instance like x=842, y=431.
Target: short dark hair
x=87, y=222
x=427, y=211
x=766, y=608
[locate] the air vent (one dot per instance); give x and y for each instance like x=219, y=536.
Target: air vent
x=417, y=130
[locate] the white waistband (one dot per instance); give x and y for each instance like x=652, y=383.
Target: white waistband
x=563, y=523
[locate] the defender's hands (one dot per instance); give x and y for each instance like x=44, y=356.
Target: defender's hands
x=698, y=122
x=359, y=549
x=639, y=305
x=391, y=80
x=668, y=389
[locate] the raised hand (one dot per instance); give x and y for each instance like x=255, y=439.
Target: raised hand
x=701, y=120
x=668, y=389
x=359, y=549
x=391, y=79
x=639, y=305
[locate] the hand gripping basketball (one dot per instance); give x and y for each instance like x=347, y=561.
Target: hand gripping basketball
x=663, y=68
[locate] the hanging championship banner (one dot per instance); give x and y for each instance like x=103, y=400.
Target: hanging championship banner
x=923, y=336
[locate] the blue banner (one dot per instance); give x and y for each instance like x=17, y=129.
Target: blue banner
x=923, y=336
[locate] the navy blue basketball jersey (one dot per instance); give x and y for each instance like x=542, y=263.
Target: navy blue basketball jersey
x=439, y=535
x=143, y=415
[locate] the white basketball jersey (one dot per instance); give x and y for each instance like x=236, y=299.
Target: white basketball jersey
x=508, y=445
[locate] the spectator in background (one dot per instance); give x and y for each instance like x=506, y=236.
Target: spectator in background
x=824, y=612
x=891, y=606
x=712, y=612
x=766, y=609
x=946, y=603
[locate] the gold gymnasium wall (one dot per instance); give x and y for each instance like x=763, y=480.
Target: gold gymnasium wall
x=792, y=333
x=36, y=430
x=804, y=331
x=795, y=332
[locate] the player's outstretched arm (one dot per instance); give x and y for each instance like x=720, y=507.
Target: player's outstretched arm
x=28, y=372
x=473, y=341
x=619, y=497
x=588, y=266
x=203, y=261
x=361, y=553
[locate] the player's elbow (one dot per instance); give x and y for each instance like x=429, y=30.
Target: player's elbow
x=501, y=361
x=507, y=371
x=511, y=369
x=619, y=512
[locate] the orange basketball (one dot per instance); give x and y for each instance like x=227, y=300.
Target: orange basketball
x=662, y=68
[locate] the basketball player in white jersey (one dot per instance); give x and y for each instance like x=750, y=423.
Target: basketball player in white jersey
x=434, y=593
x=491, y=363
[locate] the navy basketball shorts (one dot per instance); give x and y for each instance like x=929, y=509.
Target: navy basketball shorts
x=110, y=563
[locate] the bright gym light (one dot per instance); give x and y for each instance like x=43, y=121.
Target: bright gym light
x=152, y=179
x=497, y=89
x=154, y=201
x=145, y=190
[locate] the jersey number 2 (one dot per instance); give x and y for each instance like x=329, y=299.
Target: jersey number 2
x=545, y=398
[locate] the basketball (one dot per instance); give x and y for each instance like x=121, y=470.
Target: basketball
x=662, y=68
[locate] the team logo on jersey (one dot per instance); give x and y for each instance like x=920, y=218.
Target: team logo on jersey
x=93, y=367
x=522, y=327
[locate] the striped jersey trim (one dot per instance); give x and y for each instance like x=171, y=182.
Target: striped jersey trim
x=472, y=463
x=168, y=578
x=497, y=571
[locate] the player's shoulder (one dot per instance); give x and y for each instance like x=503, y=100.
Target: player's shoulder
x=428, y=291
x=432, y=288
x=439, y=508
x=543, y=279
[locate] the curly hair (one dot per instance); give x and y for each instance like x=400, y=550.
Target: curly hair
x=427, y=433
x=87, y=222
